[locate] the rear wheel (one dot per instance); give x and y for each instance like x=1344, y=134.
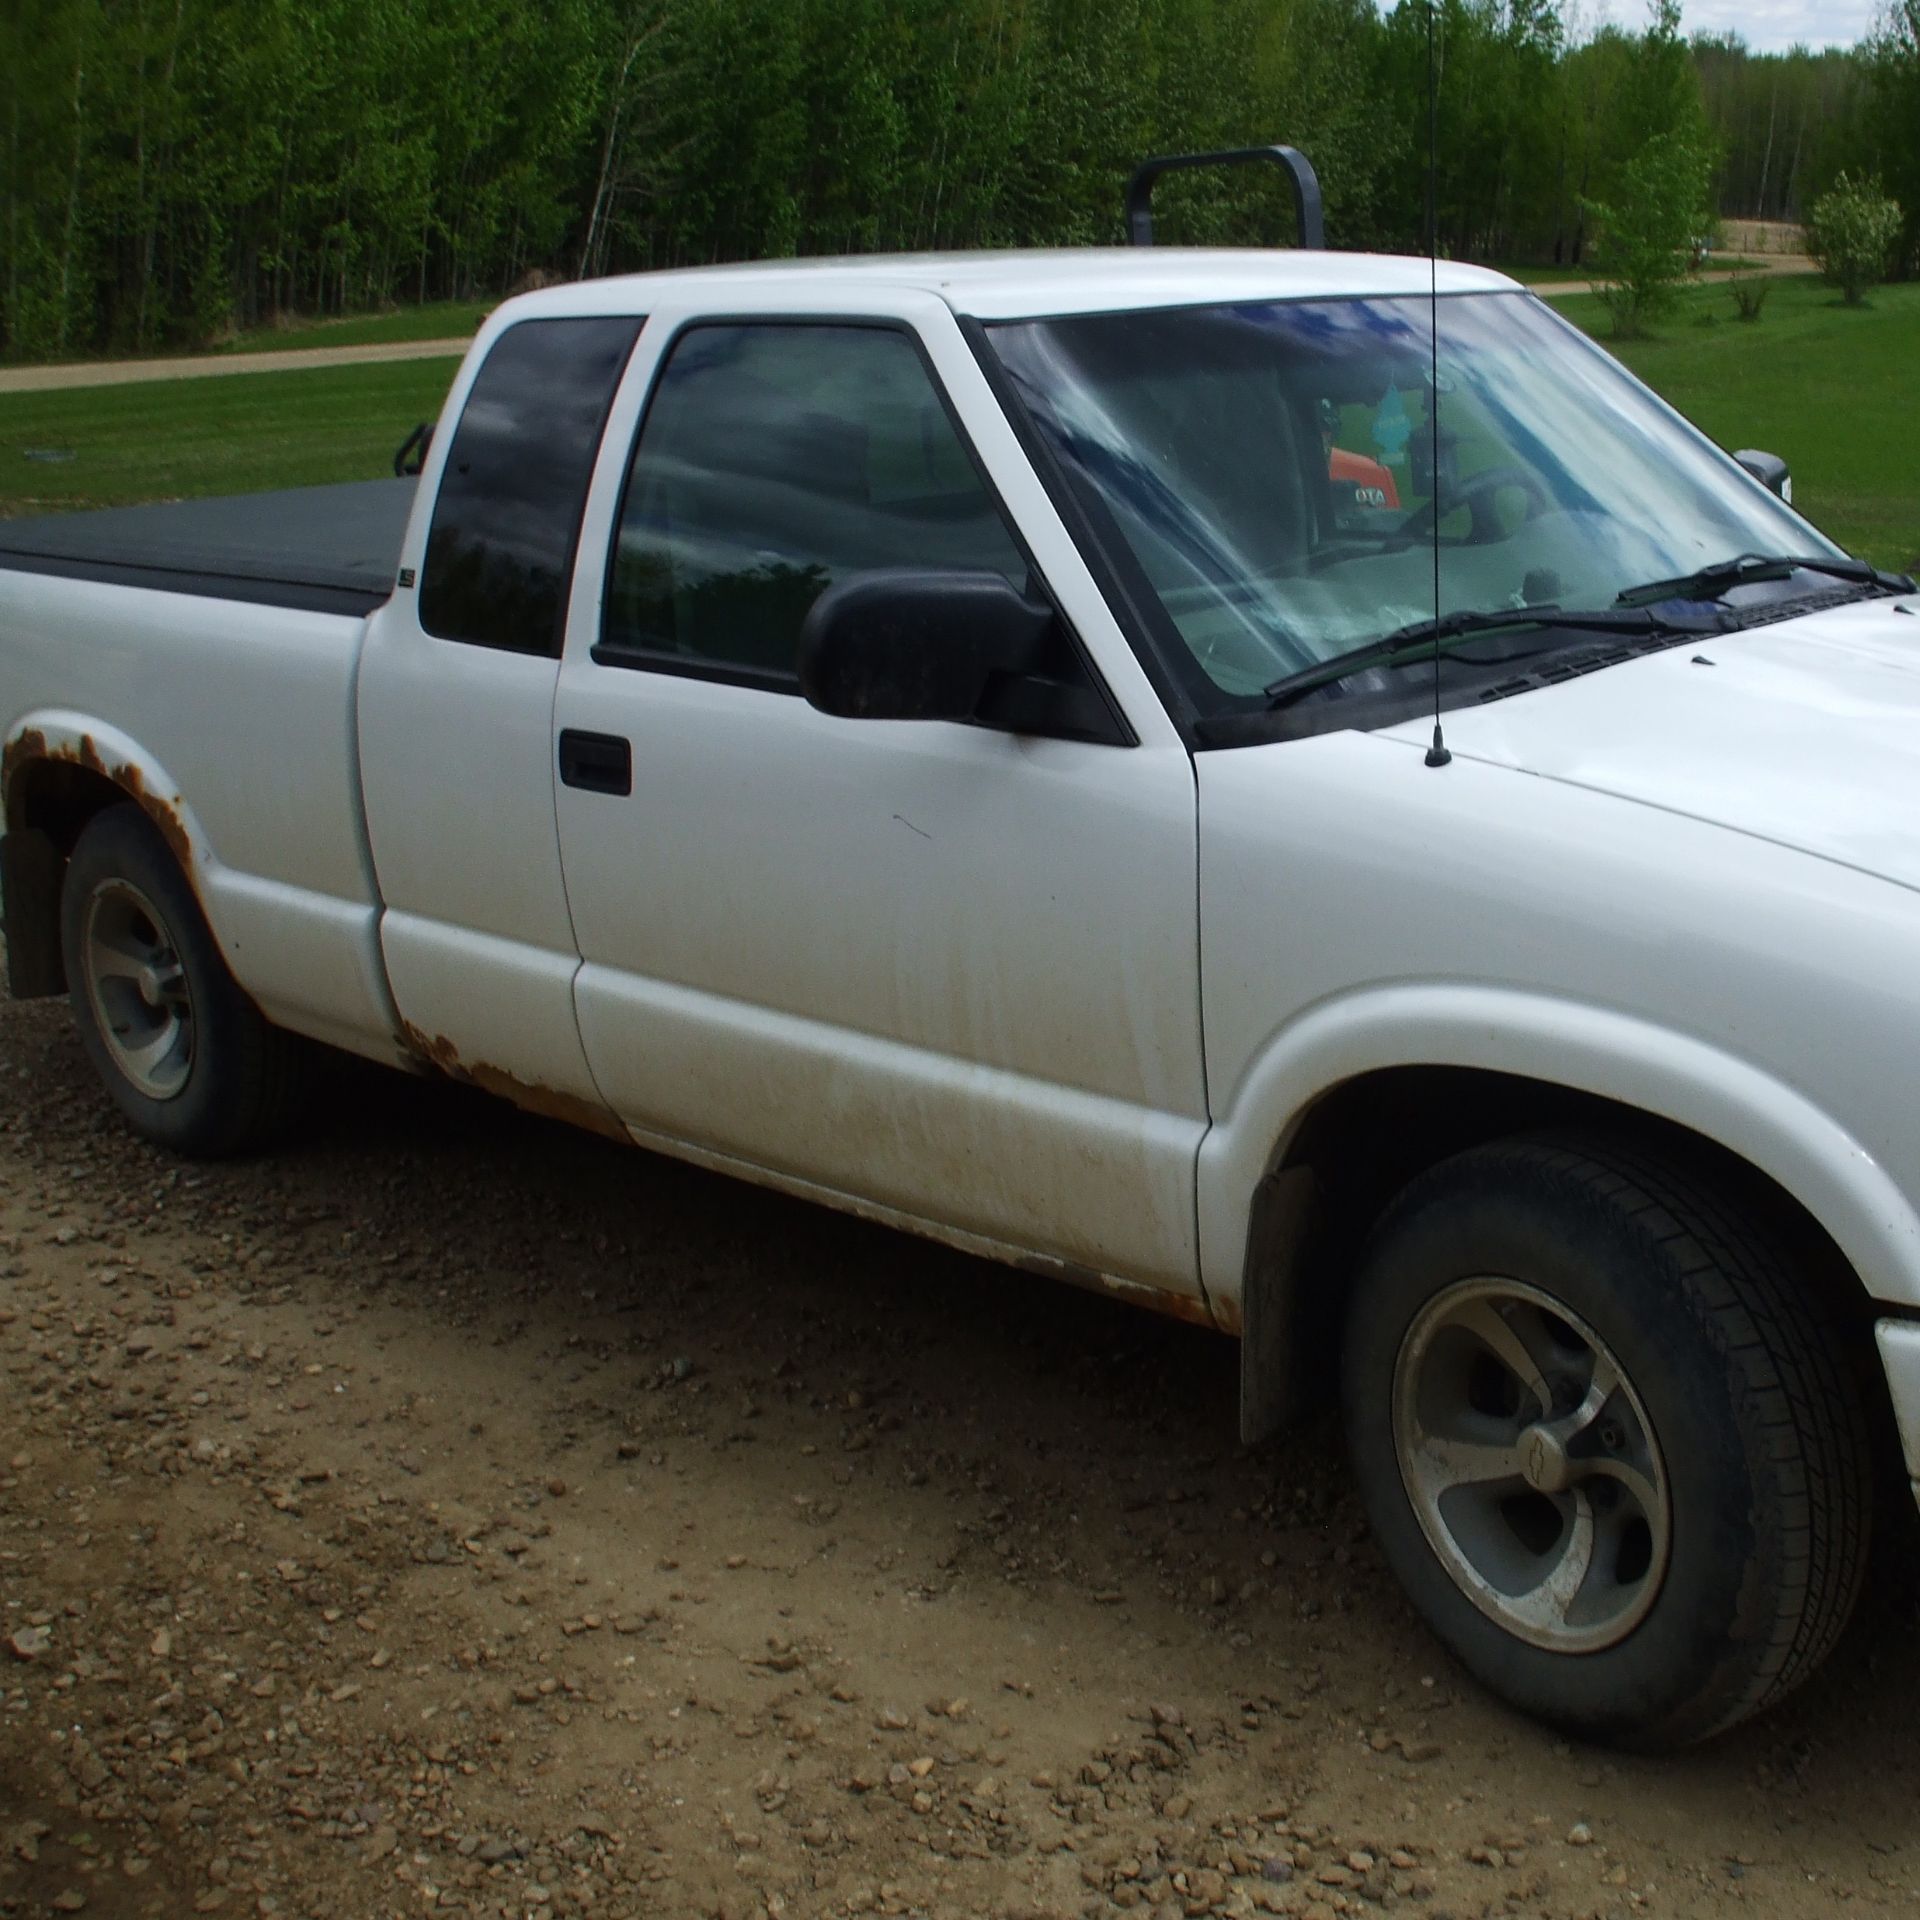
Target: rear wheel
x=1607, y=1440
x=189, y=1059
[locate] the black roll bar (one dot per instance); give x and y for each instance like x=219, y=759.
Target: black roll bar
x=1299, y=170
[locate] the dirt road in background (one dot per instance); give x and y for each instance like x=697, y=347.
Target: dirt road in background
x=125, y=373
x=459, y=1513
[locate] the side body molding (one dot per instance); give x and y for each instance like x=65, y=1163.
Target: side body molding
x=1564, y=1043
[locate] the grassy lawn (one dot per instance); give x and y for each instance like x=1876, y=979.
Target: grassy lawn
x=1834, y=390
x=173, y=439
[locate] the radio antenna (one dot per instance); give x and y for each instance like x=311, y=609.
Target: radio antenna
x=1437, y=754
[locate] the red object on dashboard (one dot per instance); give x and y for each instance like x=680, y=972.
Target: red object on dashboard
x=1366, y=477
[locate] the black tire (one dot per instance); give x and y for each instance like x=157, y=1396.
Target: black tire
x=241, y=1079
x=1754, y=1406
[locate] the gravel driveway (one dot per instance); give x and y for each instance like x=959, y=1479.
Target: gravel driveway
x=459, y=1513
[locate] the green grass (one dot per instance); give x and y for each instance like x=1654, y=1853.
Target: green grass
x=175, y=439
x=1834, y=390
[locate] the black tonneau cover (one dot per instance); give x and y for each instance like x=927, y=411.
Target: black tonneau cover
x=323, y=549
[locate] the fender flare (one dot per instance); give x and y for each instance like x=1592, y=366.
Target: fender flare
x=1615, y=1056
x=74, y=739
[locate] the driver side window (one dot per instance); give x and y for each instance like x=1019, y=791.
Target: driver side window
x=774, y=459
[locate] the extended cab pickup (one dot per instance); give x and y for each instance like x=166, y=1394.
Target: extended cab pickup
x=948, y=737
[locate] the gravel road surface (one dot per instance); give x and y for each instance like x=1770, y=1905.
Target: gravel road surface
x=461, y=1514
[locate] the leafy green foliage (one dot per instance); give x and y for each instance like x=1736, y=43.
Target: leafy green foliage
x=175, y=171
x=1647, y=233
x=1851, y=234
x=1784, y=123
x=1892, y=119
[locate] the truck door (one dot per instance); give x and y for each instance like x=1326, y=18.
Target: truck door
x=456, y=718
x=945, y=970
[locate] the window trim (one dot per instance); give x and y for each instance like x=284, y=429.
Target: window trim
x=1117, y=573
x=556, y=645
x=612, y=653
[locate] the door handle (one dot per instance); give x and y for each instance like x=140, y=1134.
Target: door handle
x=596, y=762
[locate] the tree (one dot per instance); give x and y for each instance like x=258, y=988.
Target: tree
x=1893, y=117
x=1647, y=233
x=1785, y=123
x=637, y=77
x=1850, y=234
x=171, y=169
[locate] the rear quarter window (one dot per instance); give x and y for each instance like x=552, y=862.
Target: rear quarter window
x=500, y=548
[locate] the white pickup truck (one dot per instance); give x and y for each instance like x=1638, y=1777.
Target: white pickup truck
x=951, y=737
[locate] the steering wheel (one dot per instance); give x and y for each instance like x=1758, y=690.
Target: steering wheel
x=1477, y=493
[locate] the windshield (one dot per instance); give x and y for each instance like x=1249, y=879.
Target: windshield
x=1266, y=474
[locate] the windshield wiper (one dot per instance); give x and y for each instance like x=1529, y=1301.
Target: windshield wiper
x=1421, y=638
x=1709, y=583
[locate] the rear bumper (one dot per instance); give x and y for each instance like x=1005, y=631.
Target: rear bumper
x=1899, y=1342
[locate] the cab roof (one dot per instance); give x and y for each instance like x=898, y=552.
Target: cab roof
x=1033, y=285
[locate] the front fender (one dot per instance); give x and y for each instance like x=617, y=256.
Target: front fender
x=1563, y=1043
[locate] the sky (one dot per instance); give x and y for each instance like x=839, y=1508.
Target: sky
x=1767, y=26
x=1771, y=26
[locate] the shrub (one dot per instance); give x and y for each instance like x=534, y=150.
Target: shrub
x=1850, y=233
x=1749, y=292
x=1646, y=235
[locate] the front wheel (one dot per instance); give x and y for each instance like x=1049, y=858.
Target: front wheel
x=189, y=1059
x=1607, y=1441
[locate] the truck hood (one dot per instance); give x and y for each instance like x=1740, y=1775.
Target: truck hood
x=1806, y=733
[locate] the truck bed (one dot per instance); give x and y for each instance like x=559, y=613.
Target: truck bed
x=324, y=549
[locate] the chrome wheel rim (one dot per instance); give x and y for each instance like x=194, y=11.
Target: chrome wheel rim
x=138, y=990
x=1531, y=1464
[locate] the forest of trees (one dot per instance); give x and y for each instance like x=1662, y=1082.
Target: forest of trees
x=172, y=169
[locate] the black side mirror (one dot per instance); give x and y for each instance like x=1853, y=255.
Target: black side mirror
x=906, y=645
x=1770, y=470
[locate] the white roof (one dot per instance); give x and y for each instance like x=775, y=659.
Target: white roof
x=1012, y=285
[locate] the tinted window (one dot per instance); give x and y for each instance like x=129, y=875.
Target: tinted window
x=773, y=461
x=501, y=547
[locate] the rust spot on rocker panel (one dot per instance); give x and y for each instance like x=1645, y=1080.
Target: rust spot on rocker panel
x=438, y=1052
x=32, y=746
x=1178, y=1306
x=549, y=1102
